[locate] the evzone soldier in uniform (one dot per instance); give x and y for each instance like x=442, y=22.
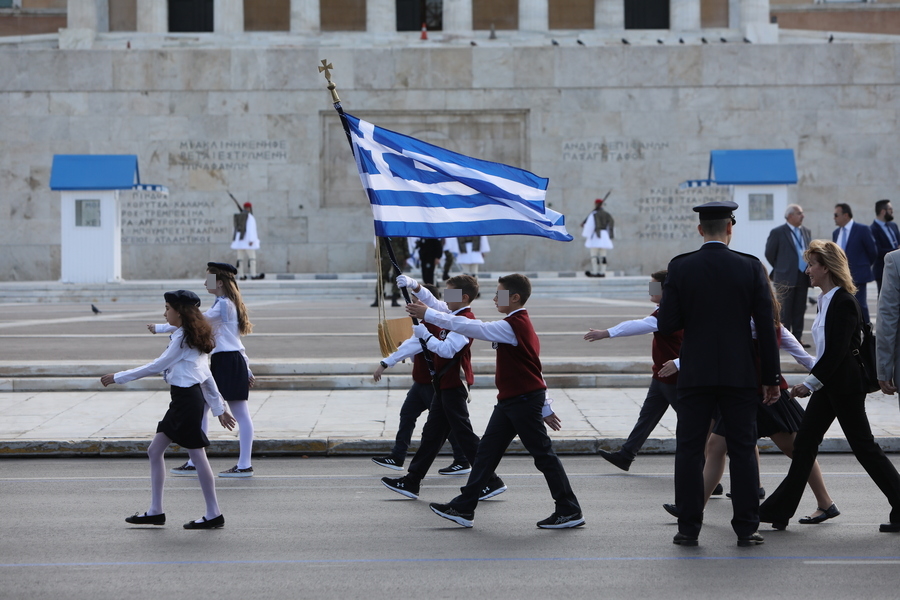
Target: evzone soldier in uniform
x=471, y=253
x=662, y=392
x=711, y=294
x=598, y=229
x=430, y=252
x=246, y=242
x=418, y=400
x=401, y=253
x=453, y=376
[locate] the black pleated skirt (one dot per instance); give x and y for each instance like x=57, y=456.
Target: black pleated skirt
x=782, y=417
x=229, y=369
x=181, y=424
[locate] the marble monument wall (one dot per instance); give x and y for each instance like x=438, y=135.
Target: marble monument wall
x=258, y=122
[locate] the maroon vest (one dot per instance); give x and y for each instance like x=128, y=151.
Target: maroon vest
x=519, y=368
x=664, y=349
x=451, y=378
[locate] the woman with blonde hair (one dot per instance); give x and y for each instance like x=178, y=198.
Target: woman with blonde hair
x=837, y=384
x=228, y=361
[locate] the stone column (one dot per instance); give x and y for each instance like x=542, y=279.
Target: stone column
x=228, y=16
x=609, y=14
x=153, y=16
x=88, y=14
x=684, y=15
x=534, y=15
x=381, y=16
x=457, y=15
x=305, y=16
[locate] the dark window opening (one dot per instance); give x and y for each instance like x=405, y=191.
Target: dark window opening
x=190, y=16
x=412, y=13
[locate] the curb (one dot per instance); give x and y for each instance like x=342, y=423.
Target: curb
x=340, y=446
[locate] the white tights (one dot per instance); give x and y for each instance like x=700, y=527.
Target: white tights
x=241, y=412
x=156, y=453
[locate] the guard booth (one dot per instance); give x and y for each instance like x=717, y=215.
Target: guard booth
x=90, y=213
x=759, y=182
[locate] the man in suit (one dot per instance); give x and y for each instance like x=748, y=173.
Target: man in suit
x=856, y=240
x=886, y=235
x=784, y=251
x=711, y=294
x=887, y=328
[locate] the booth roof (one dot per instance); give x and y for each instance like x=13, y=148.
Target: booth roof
x=94, y=172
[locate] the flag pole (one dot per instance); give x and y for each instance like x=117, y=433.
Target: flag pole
x=326, y=68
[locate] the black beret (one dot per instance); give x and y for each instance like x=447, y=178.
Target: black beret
x=223, y=267
x=713, y=211
x=182, y=297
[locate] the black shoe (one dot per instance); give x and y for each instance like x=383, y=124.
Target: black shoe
x=617, y=458
x=601, y=275
x=405, y=486
x=394, y=303
x=718, y=490
x=671, y=509
x=243, y=278
x=827, y=513
x=805, y=345
x=388, y=461
x=558, y=521
x=374, y=304
x=762, y=493
x=494, y=488
x=260, y=276
x=588, y=273
x=457, y=468
x=448, y=512
x=754, y=539
x=213, y=523
x=684, y=540
x=146, y=519
x=889, y=527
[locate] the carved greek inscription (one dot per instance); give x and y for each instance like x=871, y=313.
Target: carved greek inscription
x=610, y=150
x=667, y=213
x=227, y=155
x=153, y=218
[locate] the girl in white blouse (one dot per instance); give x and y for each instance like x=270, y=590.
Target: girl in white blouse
x=183, y=365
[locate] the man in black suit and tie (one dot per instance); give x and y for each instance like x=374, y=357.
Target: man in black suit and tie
x=856, y=240
x=712, y=294
x=784, y=251
x=886, y=235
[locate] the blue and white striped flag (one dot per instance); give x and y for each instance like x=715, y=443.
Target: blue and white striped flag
x=420, y=190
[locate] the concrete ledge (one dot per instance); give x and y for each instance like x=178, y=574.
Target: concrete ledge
x=132, y=448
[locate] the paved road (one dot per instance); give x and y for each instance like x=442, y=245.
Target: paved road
x=326, y=528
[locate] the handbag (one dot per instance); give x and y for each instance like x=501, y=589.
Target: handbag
x=865, y=355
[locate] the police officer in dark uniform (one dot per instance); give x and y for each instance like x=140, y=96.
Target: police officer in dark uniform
x=711, y=294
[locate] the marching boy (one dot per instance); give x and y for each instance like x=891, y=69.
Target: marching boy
x=520, y=405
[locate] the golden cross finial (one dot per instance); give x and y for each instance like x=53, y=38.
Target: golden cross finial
x=326, y=68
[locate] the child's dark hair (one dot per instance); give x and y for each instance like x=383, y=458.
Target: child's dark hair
x=659, y=276
x=233, y=293
x=198, y=332
x=433, y=289
x=465, y=283
x=517, y=284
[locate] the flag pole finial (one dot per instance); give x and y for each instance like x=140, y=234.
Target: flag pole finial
x=326, y=68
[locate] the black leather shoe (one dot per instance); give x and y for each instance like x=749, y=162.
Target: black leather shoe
x=617, y=459
x=146, y=519
x=394, y=303
x=684, y=540
x=761, y=492
x=671, y=509
x=827, y=513
x=206, y=524
x=718, y=490
x=754, y=539
x=889, y=527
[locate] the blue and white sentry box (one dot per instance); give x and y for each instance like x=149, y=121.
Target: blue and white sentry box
x=759, y=182
x=90, y=222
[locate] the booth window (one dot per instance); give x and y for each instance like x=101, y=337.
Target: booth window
x=87, y=213
x=762, y=207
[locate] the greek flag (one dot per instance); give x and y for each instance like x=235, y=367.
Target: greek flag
x=420, y=190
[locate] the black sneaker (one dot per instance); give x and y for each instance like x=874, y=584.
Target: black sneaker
x=405, y=486
x=185, y=470
x=617, y=458
x=558, y=521
x=494, y=488
x=448, y=512
x=388, y=461
x=456, y=469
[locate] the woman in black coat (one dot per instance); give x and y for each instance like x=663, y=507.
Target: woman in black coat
x=838, y=391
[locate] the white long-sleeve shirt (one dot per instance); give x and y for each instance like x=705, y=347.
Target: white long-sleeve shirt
x=222, y=316
x=636, y=327
x=446, y=348
x=818, y=335
x=181, y=366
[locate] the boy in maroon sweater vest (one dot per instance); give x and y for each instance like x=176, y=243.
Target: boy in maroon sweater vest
x=519, y=409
